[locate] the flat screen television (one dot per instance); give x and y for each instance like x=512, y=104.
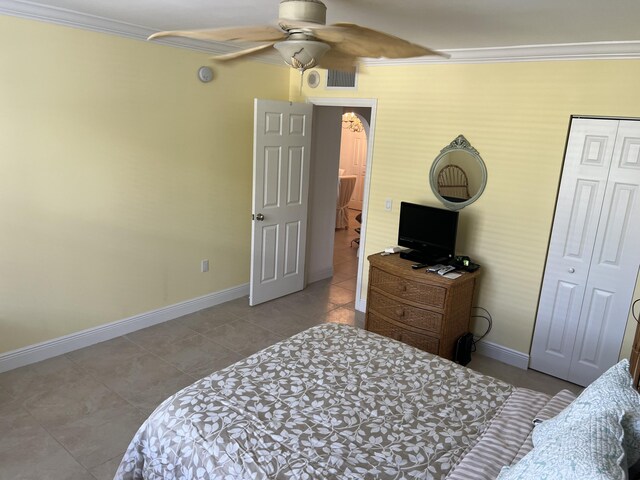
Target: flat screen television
x=429, y=232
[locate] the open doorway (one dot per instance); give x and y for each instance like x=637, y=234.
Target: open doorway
x=328, y=247
x=351, y=182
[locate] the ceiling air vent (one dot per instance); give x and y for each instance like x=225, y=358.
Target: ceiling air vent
x=336, y=79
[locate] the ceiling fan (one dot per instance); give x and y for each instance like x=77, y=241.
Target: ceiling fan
x=304, y=40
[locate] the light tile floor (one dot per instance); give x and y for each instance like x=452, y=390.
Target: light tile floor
x=72, y=417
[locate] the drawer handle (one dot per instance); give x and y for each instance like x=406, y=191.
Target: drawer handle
x=400, y=312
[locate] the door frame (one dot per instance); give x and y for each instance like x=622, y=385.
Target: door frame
x=371, y=103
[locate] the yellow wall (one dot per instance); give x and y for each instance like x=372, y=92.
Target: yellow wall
x=119, y=172
x=517, y=116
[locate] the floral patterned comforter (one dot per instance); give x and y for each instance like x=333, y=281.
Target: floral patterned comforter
x=331, y=402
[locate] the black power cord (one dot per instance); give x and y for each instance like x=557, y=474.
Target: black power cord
x=487, y=317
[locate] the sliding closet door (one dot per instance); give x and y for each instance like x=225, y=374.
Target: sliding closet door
x=593, y=260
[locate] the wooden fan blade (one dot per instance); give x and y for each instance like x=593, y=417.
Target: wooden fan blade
x=336, y=60
x=261, y=33
x=360, y=41
x=242, y=53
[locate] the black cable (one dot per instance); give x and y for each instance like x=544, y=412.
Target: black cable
x=489, y=320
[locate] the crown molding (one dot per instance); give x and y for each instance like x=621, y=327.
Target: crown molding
x=526, y=53
x=70, y=18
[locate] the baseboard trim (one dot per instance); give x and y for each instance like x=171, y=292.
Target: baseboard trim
x=503, y=354
x=488, y=349
x=68, y=343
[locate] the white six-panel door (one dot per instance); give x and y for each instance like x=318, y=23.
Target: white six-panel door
x=282, y=140
x=593, y=255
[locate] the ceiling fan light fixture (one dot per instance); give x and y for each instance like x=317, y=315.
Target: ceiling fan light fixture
x=301, y=54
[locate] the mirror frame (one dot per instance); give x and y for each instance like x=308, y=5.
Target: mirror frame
x=459, y=144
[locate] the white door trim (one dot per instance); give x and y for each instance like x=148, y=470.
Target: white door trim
x=371, y=103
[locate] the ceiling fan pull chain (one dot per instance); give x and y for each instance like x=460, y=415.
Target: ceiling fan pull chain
x=302, y=67
x=295, y=63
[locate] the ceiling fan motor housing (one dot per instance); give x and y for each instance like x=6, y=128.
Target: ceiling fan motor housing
x=312, y=11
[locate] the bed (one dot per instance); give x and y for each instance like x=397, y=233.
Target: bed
x=339, y=402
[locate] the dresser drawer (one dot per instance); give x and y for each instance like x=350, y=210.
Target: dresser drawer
x=400, y=312
x=380, y=326
x=413, y=291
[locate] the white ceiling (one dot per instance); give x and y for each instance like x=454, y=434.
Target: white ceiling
x=440, y=24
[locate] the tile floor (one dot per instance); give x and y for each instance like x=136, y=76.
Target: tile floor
x=72, y=417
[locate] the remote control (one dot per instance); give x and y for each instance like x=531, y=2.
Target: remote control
x=435, y=268
x=416, y=266
x=444, y=270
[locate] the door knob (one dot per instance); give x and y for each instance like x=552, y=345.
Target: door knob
x=571, y=269
x=260, y=217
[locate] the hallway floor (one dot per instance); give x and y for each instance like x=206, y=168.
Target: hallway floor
x=345, y=254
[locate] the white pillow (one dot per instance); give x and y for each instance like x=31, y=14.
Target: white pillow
x=612, y=391
x=595, y=437
x=591, y=449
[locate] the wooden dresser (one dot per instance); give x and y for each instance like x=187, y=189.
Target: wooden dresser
x=421, y=309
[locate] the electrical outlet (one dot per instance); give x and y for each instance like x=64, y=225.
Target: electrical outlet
x=204, y=266
x=388, y=204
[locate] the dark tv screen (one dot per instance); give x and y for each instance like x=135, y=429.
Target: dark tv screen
x=429, y=230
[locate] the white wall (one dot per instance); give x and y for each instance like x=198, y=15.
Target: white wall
x=325, y=158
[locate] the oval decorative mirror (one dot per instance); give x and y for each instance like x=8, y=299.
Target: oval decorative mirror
x=458, y=175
